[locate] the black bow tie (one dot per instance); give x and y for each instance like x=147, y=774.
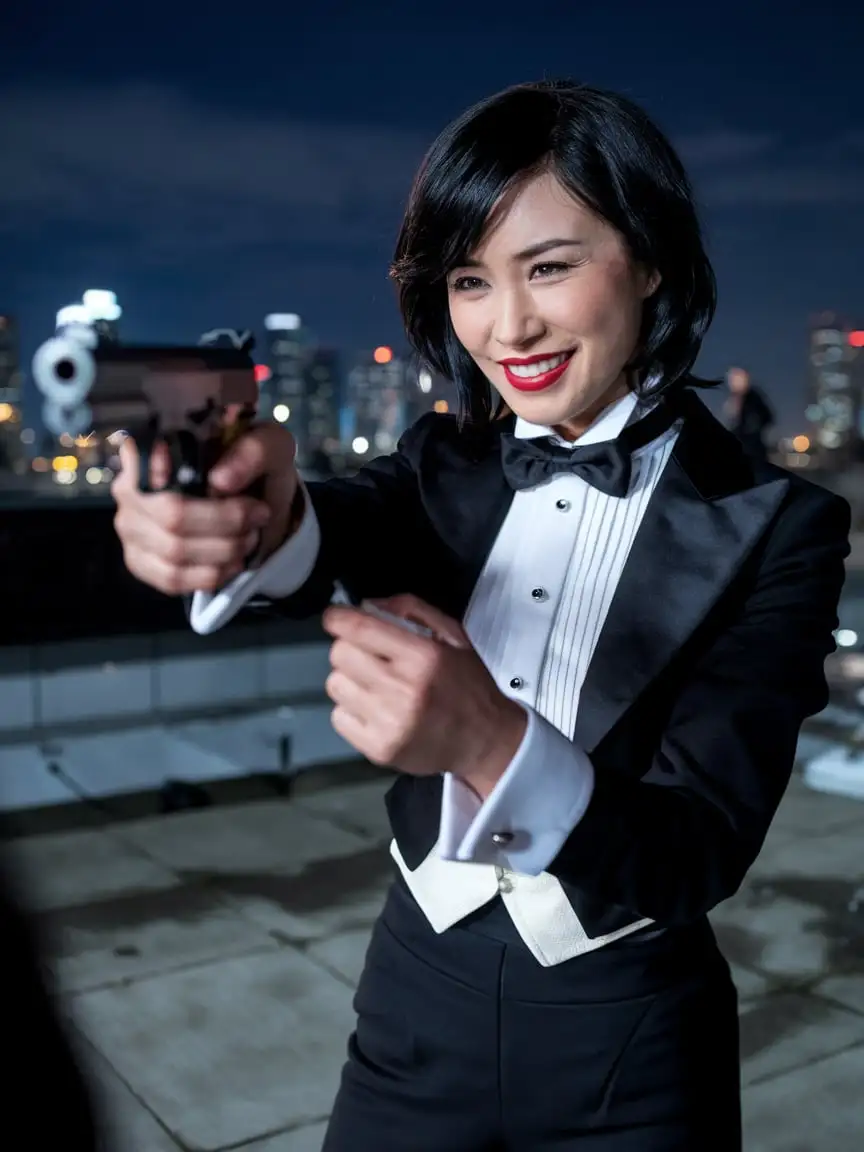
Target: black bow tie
x=606, y=466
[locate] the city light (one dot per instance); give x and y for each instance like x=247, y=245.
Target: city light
x=441, y=406
x=40, y=464
x=846, y=638
x=856, y=339
x=282, y=322
x=28, y=436
x=382, y=355
x=801, y=444
x=94, y=476
x=7, y=412
x=64, y=463
x=262, y=373
x=424, y=381
x=360, y=445
x=281, y=413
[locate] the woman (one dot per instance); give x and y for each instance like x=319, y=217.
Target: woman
x=617, y=629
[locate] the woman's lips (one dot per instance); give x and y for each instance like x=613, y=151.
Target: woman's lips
x=537, y=372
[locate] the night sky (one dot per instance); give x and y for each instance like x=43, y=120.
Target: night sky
x=257, y=159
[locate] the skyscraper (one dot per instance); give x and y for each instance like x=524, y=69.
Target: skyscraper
x=282, y=395
x=835, y=392
x=322, y=399
x=11, y=448
x=377, y=401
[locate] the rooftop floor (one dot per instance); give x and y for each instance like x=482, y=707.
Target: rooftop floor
x=207, y=961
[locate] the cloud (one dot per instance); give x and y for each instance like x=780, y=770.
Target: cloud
x=165, y=173
x=147, y=170
x=753, y=169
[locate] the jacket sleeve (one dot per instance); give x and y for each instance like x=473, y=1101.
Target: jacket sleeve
x=675, y=842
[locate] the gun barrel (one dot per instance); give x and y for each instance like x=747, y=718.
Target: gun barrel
x=125, y=386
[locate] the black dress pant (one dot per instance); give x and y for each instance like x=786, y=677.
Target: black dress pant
x=464, y=1043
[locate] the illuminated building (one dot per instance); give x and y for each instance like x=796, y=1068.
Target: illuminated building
x=282, y=393
x=835, y=408
x=11, y=447
x=321, y=401
x=376, y=410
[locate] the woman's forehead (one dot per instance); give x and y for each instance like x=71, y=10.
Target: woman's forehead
x=533, y=212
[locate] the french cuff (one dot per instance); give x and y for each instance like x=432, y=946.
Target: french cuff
x=279, y=576
x=523, y=823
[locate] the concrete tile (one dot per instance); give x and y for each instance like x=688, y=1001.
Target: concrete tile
x=846, y=990
x=127, y=1124
x=344, y=953
x=227, y=1053
x=294, y=668
x=787, y=1030
x=329, y=897
x=284, y=869
x=254, y=743
x=69, y=868
x=812, y=813
x=98, y=691
x=18, y=695
x=781, y=938
x=149, y=756
x=798, y=913
x=815, y=1107
x=263, y=836
x=750, y=984
x=25, y=781
x=143, y=934
x=358, y=807
x=308, y=1139
x=226, y=677
x=836, y=853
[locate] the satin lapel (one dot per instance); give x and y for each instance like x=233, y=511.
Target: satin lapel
x=704, y=518
x=467, y=500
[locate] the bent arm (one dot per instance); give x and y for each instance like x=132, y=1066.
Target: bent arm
x=362, y=530
x=675, y=842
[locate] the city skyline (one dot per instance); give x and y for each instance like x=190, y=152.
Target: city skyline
x=207, y=196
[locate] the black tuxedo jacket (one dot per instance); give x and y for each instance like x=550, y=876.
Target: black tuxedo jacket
x=710, y=659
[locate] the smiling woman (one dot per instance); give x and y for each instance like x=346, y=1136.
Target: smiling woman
x=554, y=223
x=626, y=622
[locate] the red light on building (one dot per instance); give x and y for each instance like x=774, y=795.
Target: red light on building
x=262, y=373
x=856, y=339
x=382, y=355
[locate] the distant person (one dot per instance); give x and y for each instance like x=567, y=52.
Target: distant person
x=750, y=414
x=625, y=631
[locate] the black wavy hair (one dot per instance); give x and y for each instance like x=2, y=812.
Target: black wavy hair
x=609, y=154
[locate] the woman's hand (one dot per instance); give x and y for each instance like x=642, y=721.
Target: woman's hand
x=180, y=544
x=424, y=705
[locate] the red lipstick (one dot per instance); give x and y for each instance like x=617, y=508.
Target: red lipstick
x=535, y=383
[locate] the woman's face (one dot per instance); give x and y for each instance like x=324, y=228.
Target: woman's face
x=549, y=307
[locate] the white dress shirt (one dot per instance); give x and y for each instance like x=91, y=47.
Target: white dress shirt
x=534, y=618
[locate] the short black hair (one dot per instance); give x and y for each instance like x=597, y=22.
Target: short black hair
x=606, y=151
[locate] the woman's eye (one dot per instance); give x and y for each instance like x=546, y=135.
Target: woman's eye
x=550, y=269
x=466, y=283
